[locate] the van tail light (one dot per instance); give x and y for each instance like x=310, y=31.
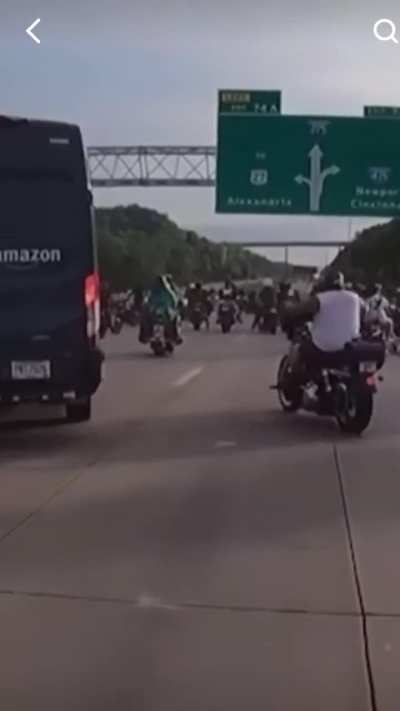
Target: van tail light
x=92, y=303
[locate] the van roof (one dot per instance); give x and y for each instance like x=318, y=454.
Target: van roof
x=15, y=121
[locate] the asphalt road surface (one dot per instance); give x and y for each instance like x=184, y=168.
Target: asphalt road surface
x=195, y=549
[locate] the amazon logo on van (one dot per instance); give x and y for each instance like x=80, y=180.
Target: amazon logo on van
x=27, y=257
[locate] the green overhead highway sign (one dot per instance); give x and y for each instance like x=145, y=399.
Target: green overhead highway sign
x=382, y=111
x=234, y=101
x=308, y=165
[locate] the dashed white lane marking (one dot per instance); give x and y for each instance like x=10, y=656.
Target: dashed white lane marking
x=188, y=377
x=224, y=444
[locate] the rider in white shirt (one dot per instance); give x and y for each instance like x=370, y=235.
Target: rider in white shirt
x=335, y=315
x=337, y=320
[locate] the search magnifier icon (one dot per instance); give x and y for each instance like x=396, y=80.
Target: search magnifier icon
x=385, y=30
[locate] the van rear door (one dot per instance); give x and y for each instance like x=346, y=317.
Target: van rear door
x=46, y=253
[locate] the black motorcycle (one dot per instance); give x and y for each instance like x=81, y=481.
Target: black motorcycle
x=117, y=322
x=110, y=320
x=342, y=385
x=198, y=316
x=268, y=322
x=130, y=315
x=226, y=315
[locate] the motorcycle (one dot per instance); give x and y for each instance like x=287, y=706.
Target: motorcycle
x=183, y=308
x=130, y=314
x=104, y=322
x=268, y=322
x=342, y=386
x=116, y=322
x=395, y=314
x=373, y=332
x=198, y=317
x=226, y=315
x=110, y=320
x=394, y=344
x=161, y=341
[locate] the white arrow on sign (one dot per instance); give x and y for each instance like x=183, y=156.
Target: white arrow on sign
x=317, y=177
x=30, y=33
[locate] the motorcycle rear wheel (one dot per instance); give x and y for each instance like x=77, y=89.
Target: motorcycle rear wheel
x=357, y=414
x=116, y=327
x=290, y=397
x=158, y=349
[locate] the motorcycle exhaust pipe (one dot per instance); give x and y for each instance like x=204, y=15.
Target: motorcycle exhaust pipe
x=310, y=398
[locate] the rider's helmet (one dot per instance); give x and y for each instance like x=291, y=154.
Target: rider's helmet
x=198, y=285
x=331, y=280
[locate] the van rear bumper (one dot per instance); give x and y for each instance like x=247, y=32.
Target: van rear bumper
x=72, y=377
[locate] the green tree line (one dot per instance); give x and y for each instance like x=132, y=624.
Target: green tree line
x=136, y=244
x=374, y=255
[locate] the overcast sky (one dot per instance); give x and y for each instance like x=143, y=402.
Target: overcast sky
x=148, y=72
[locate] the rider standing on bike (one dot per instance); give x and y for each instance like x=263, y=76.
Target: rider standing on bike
x=163, y=299
x=378, y=311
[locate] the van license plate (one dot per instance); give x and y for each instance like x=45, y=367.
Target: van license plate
x=30, y=370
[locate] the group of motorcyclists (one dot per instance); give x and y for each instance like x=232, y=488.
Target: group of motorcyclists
x=336, y=320
x=196, y=303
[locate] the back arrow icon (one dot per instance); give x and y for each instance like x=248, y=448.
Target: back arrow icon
x=30, y=33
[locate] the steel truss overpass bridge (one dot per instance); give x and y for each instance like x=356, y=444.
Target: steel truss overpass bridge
x=152, y=166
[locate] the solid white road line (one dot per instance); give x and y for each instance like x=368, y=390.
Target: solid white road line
x=148, y=601
x=188, y=377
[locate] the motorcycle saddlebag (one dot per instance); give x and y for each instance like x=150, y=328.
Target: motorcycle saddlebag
x=365, y=351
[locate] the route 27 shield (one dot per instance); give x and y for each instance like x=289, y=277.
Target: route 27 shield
x=259, y=177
